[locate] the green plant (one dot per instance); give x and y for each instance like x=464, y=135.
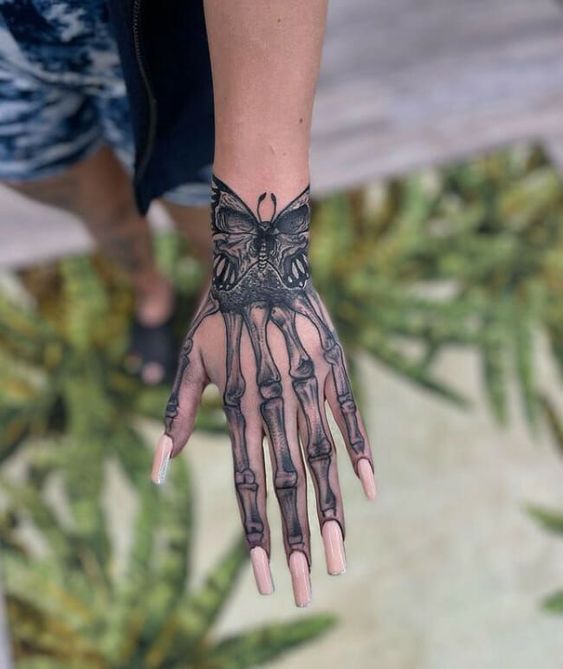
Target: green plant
x=71, y=607
x=62, y=347
x=550, y=519
x=466, y=256
x=553, y=521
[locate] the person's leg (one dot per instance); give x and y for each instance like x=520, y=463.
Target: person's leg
x=193, y=224
x=98, y=190
x=52, y=128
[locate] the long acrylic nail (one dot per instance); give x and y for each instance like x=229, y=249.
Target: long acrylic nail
x=161, y=459
x=261, y=568
x=299, y=568
x=365, y=472
x=334, y=548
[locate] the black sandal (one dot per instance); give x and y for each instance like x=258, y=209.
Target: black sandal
x=152, y=345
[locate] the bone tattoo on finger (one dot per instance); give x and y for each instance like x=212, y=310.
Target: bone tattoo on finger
x=261, y=275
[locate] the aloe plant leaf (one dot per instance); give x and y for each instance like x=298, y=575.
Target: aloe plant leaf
x=493, y=350
x=85, y=299
x=376, y=344
x=131, y=451
x=554, y=603
x=175, y=533
x=41, y=586
x=205, y=604
x=25, y=498
x=549, y=519
x=260, y=646
x=553, y=421
x=131, y=607
x=51, y=638
x=524, y=323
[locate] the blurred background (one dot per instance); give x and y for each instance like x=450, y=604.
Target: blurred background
x=437, y=242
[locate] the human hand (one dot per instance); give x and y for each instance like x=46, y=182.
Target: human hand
x=263, y=336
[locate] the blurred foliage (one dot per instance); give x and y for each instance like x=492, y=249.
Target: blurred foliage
x=470, y=255
x=548, y=518
x=63, y=340
x=74, y=606
x=467, y=256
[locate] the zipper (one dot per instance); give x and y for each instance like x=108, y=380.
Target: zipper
x=151, y=100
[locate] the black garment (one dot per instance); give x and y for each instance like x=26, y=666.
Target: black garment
x=165, y=58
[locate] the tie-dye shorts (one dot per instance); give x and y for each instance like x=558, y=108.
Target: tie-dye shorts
x=62, y=94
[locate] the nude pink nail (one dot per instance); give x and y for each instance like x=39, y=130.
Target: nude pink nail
x=161, y=459
x=365, y=472
x=299, y=568
x=334, y=548
x=262, y=573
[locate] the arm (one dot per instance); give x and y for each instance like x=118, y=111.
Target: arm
x=262, y=334
x=265, y=58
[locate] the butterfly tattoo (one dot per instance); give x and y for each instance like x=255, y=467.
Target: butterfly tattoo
x=272, y=250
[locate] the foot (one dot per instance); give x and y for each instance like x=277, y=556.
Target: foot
x=151, y=350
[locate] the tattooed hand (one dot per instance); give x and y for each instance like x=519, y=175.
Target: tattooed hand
x=262, y=335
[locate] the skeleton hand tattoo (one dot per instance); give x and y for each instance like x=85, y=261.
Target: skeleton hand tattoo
x=261, y=280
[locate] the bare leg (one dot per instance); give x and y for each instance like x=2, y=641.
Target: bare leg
x=98, y=190
x=193, y=223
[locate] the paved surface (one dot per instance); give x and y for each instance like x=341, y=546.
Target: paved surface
x=403, y=84
x=406, y=83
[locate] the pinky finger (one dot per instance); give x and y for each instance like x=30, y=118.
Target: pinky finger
x=351, y=425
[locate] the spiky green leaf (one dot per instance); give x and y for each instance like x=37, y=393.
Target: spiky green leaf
x=551, y=520
x=554, y=603
x=260, y=646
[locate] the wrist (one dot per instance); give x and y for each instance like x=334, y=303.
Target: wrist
x=286, y=174
x=260, y=246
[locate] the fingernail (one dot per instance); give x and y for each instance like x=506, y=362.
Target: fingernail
x=365, y=472
x=334, y=548
x=161, y=459
x=261, y=568
x=299, y=568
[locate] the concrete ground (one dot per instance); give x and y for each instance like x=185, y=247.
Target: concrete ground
x=445, y=570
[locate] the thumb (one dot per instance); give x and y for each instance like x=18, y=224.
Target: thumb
x=181, y=412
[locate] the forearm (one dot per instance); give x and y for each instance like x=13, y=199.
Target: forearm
x=265, y=58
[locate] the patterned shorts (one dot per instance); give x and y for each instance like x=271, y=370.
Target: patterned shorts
x=62, y=93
